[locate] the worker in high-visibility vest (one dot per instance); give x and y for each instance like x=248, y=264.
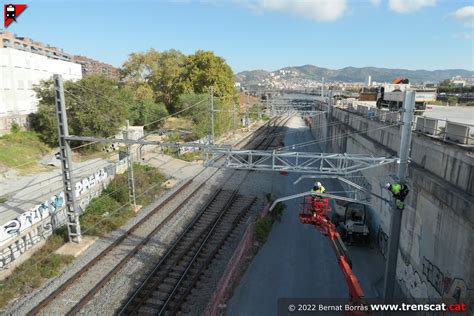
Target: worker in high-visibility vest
x=315, y=197
x=399, y=192
x=317, y=189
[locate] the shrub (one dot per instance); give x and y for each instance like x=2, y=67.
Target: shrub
x=104, y=214
x=263, y=226
x=15, y=127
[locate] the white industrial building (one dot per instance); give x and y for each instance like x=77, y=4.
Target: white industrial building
x=21, y=67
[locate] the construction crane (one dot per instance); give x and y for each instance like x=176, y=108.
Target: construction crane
x=314, y=211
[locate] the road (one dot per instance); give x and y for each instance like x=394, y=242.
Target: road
x=297, y=261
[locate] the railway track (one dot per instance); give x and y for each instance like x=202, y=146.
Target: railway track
x=165, y=289
x=175, y=275
x=213, y=227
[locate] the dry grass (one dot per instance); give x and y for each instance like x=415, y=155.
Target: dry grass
x=178, y=123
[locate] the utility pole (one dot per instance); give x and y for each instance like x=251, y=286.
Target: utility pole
x=233, y=118
x=328, y=126
x=273, y=105
x=391, y=267
x=131, y=181
x=322, y=88
x=73, y=224
x=211, y=114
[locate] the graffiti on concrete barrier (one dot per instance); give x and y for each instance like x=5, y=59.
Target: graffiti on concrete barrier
x=432, y=283
x=31, y=217
x=410, y=278
x=434, y=275
x=90, y=182
x=24, y=243
x=382, y=241
x=49, y=207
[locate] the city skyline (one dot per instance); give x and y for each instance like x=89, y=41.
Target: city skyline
x=266, y=34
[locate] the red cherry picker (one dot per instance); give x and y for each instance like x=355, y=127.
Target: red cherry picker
x=315, y=211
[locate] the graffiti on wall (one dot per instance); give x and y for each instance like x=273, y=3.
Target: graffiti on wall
x=31, y=217
x=433, y=283
x=25, y=243
x=382, y=241
x=51, y=206
x=90, y=182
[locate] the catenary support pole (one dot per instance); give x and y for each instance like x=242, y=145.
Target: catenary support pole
x=233, y=118
x=328, y=126
x=73, y=225
x=394, y=239
x=131, y=179
x=211, y=115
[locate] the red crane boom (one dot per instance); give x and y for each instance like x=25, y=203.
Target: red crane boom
x=315, y=212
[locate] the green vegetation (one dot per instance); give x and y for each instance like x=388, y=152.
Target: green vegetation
x=452, y=100
x=110, y=209
x=90, y=111
x=3, y=199
x=153, y=85
x=263, y=226
x=21, y=150
x=15, y=127
x=191, y=156
x=469, y=104
x=32, y=273
x=438, y=102
x=102, y=215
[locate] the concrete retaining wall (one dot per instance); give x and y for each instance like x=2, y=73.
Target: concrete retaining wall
x=436, y=257
x=22, y=236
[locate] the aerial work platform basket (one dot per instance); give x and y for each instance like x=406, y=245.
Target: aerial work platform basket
x=313, y=209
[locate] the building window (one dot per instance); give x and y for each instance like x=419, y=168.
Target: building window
x=17, y=45
x=30, y=85
x=6, y=43
x=27, y=63
x=20, y=85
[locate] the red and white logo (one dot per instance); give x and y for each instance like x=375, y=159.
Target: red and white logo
x=11, y=12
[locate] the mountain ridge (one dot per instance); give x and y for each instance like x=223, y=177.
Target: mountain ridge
x=351, y=74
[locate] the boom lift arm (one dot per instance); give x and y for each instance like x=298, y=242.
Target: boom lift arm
x=315, y=212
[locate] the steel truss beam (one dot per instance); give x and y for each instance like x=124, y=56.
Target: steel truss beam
x=326, y=195
x=316, y=163
x=352, y=184
x=291, y=111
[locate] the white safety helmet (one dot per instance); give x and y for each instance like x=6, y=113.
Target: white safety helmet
x=387, y=186
x=317, y=184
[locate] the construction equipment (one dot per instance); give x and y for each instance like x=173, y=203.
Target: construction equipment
x=353, y=225
x=315, y=211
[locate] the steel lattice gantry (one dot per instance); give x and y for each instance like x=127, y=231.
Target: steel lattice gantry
x=292, y=111
x=316, y=163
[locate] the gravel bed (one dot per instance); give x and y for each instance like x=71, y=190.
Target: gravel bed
x=111, y=297
x=26, y=303
x=114, y=294
x=200, y=296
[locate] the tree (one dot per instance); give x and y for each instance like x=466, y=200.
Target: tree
x=95, y=108
x=452, y=100
x=204, y=69
x=445, y=83
x=167, y=77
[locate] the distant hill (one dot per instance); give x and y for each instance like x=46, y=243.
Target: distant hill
x=352, y=74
